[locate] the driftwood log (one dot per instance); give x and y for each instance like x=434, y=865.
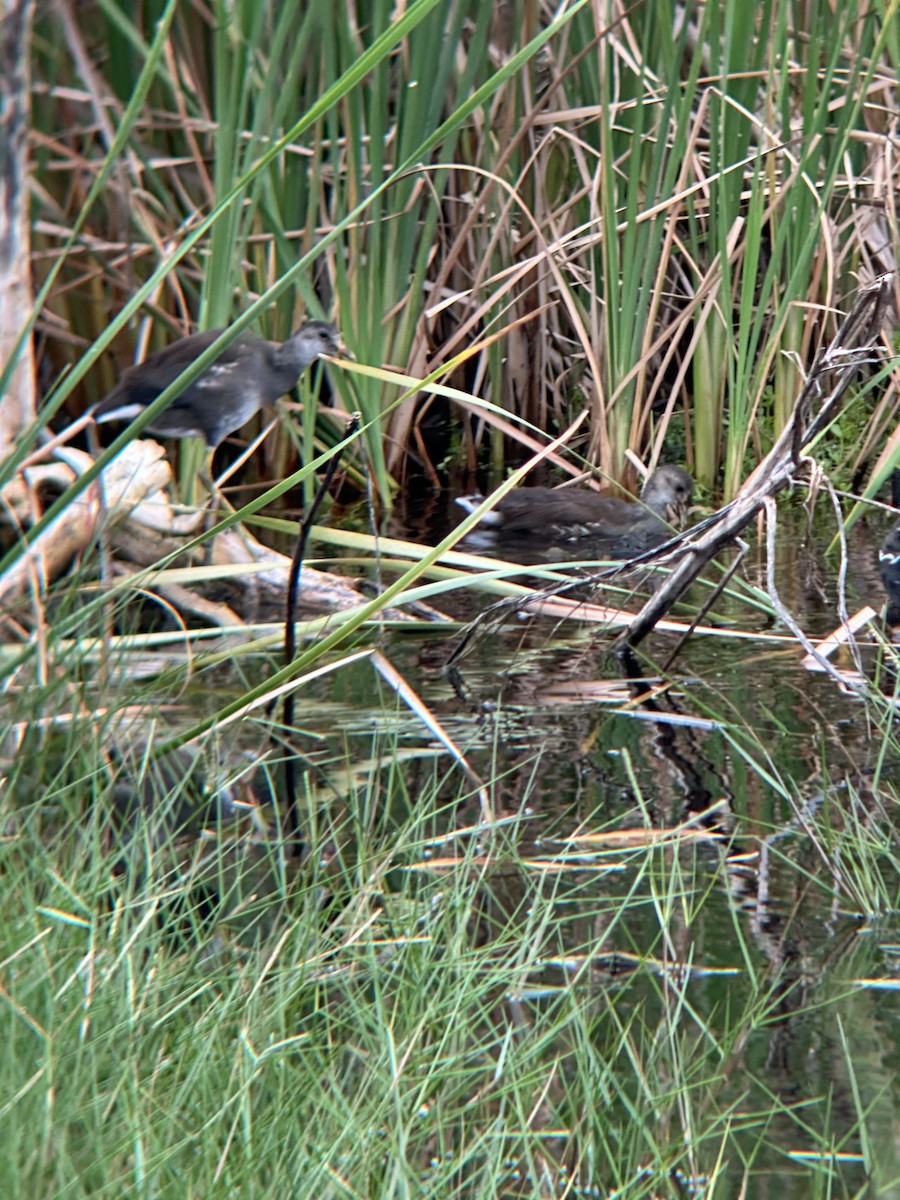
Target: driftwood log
x=131, y=477
x=129, y=507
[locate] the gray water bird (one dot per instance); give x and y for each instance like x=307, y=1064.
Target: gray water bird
x=247, y=375
x=574, y=514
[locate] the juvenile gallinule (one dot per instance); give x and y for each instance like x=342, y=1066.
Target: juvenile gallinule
x=624, y=527
x=889, y=562
x=251, y=372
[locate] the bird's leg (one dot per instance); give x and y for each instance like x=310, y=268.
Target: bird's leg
x=215, y=501
x=216, y=487
x=218, y=503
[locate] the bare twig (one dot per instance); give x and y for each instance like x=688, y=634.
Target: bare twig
x=290, y=636
x=839, y=360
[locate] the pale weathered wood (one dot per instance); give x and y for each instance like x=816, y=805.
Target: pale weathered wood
x=17, y=398
x=139, y=471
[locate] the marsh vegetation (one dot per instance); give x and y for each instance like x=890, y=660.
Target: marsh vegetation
x=550, y=931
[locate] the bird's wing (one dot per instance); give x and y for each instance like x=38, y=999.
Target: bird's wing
x=141, y=384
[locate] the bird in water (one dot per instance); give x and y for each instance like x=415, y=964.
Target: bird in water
x=248, y=374
x=889, y=564
x=625, y=527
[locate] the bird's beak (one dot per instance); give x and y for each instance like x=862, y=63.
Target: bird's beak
x=341, y=351
x=677, y=514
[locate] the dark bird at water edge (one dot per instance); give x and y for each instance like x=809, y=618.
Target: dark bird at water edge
x=570, y=514
x=889, y=564
x=247, y=375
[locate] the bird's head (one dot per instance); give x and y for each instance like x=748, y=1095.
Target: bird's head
x=669, y=491
x=312, y=339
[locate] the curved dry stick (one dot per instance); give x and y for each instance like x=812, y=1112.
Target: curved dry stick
x=292, y=819
x=694, y=549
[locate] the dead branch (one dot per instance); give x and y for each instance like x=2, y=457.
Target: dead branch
x=17, y=397
x=139, y=471
x=833, y=371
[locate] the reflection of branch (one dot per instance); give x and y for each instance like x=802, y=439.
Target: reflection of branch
x=697, y=547
x=781, y=611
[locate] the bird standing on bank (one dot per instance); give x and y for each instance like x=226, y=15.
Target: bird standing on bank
x=247, y=375
x=573, y=514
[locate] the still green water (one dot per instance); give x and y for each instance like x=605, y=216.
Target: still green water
x=769, y=953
